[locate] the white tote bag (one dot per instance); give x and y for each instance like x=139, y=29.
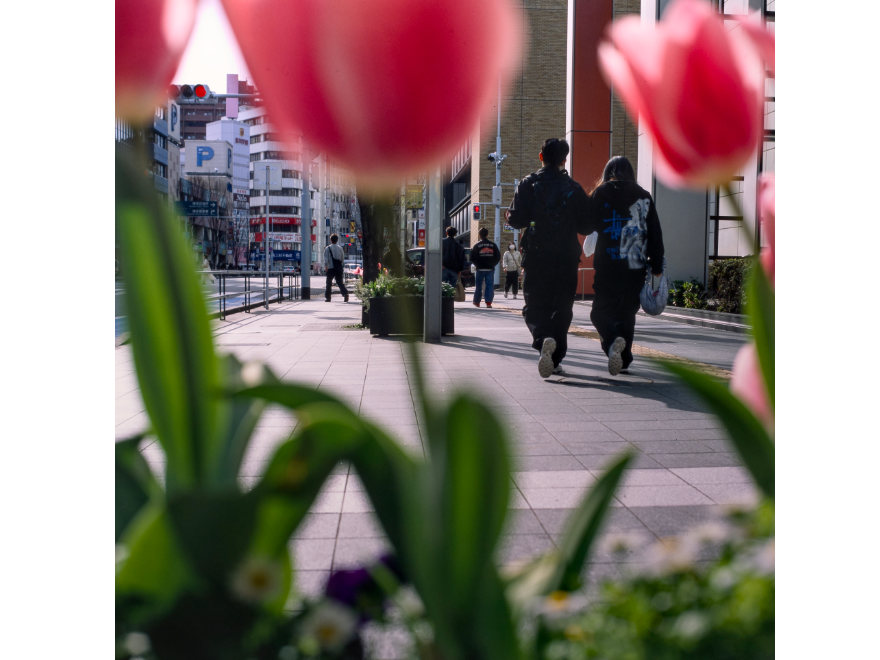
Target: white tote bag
x=653, y=299
x=590, y=244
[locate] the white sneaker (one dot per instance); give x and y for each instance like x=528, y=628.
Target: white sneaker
x=615, y=361
x=558, y=371
x=505, y=294
x=545, y=362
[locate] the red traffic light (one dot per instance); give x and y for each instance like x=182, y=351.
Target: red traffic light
x=190, y=91
x=476, y=211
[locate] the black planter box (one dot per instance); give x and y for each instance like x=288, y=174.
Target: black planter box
x=404, y=315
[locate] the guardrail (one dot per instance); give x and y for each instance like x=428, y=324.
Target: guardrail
x=258, y=289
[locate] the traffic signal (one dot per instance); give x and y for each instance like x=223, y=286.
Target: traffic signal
x=190, y=92
x=476, y=211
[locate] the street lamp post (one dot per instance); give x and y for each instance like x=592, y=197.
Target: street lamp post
x=266, y=239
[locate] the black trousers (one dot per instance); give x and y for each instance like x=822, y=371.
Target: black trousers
x=512, y=281
x=614, y=309
x=335, y=273
x=549, y=293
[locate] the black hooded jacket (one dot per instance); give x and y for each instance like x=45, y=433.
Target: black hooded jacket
x=630, y=238
x=552, y=208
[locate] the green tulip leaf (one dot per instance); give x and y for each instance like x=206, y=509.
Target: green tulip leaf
x=474, y=478
x=238, y=419
x=214, y=530
x=297, y=472
x=582, y=529
x=154, y=570
x=135, y=483
x=177, y=370
x=749, y=437
x=761, y=311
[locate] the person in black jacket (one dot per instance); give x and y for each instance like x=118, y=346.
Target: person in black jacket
x=485, y=255
x=453, y=257
x=630, y=240
x=552, y=208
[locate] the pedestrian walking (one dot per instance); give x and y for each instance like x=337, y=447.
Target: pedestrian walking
x=453, y=257
x=334, y=258
x=512, y=263
x=630, y=240
x=552, y=208
x=485, y=255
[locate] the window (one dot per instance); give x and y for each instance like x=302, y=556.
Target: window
x=256, y=138
x=255, y=157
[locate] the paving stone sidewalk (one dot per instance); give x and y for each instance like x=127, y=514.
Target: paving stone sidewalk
x=564, y=430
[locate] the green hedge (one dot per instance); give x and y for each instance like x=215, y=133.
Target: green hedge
x=727, y=279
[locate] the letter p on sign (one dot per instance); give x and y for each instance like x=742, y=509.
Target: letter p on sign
x=202, y=154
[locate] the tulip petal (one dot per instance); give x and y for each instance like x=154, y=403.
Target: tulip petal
x=385, y=87
x=747, y=382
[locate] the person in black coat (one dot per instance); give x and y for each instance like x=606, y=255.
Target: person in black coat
x=630, y=240
x=453, y=257
x=485, y=255
x=552, y=208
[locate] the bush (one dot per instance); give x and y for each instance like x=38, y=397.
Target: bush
x=387, y=285
x=687, y=294
x=726, y=283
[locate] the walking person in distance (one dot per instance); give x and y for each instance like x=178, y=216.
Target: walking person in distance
x=630, y=240
x=334, y=259
x=453, y=257
x=485, y=255
x=551, y=207
x=512, y=263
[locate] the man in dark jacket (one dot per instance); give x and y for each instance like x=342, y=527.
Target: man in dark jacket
x=552, y=208
x=485, y=255
x=453, y=257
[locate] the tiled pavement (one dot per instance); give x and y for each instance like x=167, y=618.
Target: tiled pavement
x=564, y=430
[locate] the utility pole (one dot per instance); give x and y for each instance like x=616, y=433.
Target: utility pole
x=306, y=262
x=266, y=239
x=498, y=158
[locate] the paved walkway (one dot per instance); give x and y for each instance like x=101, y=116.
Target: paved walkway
x=564, y=429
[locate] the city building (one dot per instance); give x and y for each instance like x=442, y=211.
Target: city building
x=699, y=226
x=208, y=177
x=236, y=133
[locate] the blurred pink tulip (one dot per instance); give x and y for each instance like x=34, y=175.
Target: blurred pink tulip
x=386, y=87
x=697, y=87
x=762, y=38
x=747, y=383
x=767, y=213
x=151, y=36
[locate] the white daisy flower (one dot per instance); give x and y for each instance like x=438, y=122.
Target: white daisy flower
x=257, y=580
x=137, y=643
x=619, y=543
x=332, y=625
x=669, y=555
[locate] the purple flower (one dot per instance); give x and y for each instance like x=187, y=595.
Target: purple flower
x=346, y=586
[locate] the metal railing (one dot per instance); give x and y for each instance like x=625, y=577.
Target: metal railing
x=243, y=290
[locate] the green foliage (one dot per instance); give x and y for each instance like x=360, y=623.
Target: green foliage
x=687, y=294
x=720, y=609
x=387, y=285
x=726, y=286
x=203, y=568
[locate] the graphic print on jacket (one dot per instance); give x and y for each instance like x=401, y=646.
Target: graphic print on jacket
x=631, y=234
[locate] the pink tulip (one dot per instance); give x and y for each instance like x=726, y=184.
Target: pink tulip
x=747, y=383
x=697, y=86
x=151, y=36
x=386, y=87
x=767, y=213
x=762, y=38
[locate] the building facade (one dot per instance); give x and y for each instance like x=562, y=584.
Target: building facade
x=699, y=226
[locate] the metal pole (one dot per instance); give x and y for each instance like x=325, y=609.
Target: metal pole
x=306, y=264
x=497, y=235
x=433, y=273
x=266, y=240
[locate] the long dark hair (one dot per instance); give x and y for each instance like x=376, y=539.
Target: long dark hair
x=618, y=169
